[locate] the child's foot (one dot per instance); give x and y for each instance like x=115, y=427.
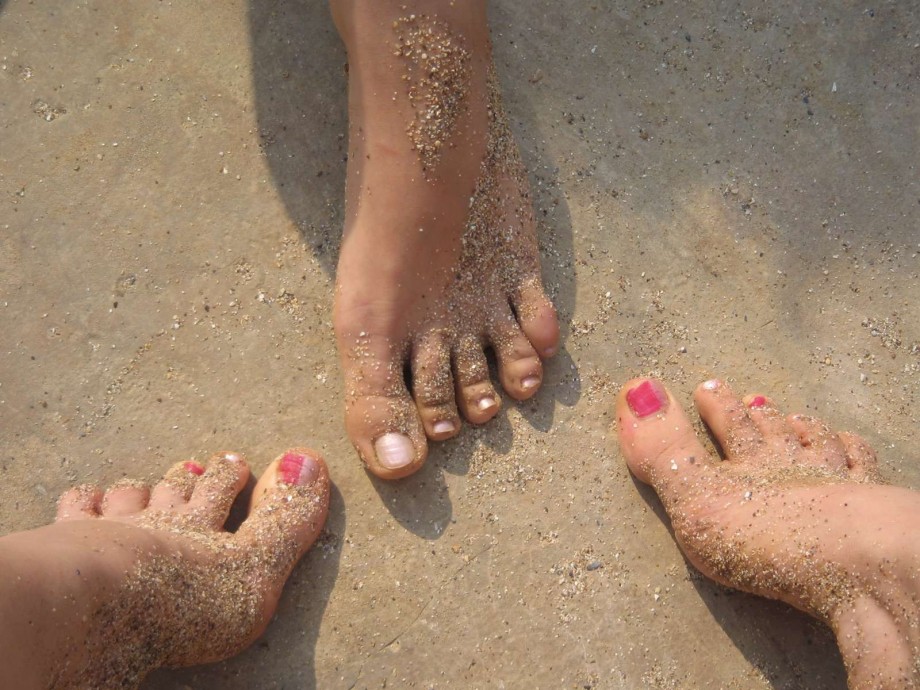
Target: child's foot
x=439, y=257
x=792, y=513
x=143, y=579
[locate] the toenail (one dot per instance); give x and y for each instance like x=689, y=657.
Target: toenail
x=298, y=469
x=530, y=382
x=646, y=398
x=233, y=457
x=444, y=427
x=711, y=384
x=194, y=468
x=758, y=401
x=550, y=351
x=486, y=403
x=394, y=450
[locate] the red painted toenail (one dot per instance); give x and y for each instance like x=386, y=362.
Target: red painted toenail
x=758, y=401
x=646, y=398
x=296, y=468
x=194, y=468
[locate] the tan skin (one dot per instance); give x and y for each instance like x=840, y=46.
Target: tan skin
x=788, y=486
x=399, y=301
x=788, y=483
x=67, y=586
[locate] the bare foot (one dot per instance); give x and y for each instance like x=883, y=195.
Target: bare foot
x=794, y=512
x=131, y=580
x=439, y=256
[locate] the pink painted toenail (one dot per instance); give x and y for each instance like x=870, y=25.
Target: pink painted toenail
x=758, y=401
x=297, y=469
x=444, y=427
x=530, y=382
x=194, y=468
x=486, y=403
x=394, y=450
x=711, y=384
x=646, y=398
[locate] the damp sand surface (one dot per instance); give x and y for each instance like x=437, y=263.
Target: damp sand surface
x=720, y=190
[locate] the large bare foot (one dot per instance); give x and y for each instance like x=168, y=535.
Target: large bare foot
x=794, y=512
x=439, y=256
x=131, y=580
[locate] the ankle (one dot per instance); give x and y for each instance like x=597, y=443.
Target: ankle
x=61, y=567
x=878, y=642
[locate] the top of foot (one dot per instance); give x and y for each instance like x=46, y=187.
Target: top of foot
x=165, y=585
x=439, y=258
x=794, y=512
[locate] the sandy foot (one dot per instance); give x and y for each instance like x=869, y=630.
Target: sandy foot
x=794, y=512
x=141, y=579
x=439, y=258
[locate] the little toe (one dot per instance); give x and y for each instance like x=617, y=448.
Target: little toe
x=537, y=317
x=519, y=367
x=217, y=488
x=772, y=425
x=657, y=439
x=860, y=458
x=79, y=503
x=125, y=497
x=433, y=387
x=821, y=447
x=476, y=397
x=176, y=486
x=727, y=417
x=288, y=509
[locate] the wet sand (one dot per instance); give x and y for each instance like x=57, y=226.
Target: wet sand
x=723, y=188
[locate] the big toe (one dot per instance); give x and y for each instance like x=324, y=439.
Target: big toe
x=381, y=417
x=387, y=433
x=656, y=437
x=288, y=509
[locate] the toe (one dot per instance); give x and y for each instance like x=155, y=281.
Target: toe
x=381, y=418
x=657, y=439
x=289, y=507
x=387, y=433
x=820, y=446
x=79, y=503
x=433, y=387
x=537, y=317
x=217, y=488
x=727, y=417
x=860, y=458
x=519, y=367
x=476, y=397
x=125, y=497
x=772, y=425
x=176, y=486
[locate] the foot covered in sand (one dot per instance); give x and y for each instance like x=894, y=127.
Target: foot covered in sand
x=793, y=512
x=131, y=579
x=439, y=257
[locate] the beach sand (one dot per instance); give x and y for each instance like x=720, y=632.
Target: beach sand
x=723, y=188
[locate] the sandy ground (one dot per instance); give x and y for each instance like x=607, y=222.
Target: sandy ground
x=724, y=188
